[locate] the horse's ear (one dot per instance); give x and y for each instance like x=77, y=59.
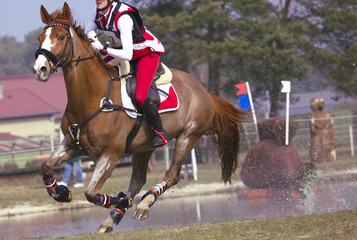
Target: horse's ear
x=66, y=12
x=45, y=16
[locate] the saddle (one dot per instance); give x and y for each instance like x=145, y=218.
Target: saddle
x=128, y=73
x=128, y=79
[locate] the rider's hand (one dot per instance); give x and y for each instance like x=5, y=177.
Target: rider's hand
x=96, y=44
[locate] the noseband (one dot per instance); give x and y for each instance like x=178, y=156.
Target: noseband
x=50, y=56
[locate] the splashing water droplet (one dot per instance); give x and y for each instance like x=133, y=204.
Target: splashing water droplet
x=307, y=204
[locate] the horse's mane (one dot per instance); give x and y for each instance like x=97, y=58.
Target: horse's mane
x=57, y=17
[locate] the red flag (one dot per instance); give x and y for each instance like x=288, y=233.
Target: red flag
x=242, y=88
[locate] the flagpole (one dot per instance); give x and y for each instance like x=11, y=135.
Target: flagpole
x=287, y=119
x=253, y=110
x=287, y=89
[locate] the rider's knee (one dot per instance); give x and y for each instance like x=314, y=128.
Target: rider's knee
x=140, y=98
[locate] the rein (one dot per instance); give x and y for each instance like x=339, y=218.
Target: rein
x=106, y=104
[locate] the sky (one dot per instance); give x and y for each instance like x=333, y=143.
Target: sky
x=19, y=17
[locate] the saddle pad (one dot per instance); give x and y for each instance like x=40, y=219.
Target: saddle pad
x=166, y=77
x=125, y=69
x=167, y=104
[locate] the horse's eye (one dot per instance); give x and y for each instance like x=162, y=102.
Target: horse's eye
x=61, y=38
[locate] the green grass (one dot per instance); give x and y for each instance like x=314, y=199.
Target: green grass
x=21, y=158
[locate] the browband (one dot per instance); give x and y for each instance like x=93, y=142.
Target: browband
x=57, y=25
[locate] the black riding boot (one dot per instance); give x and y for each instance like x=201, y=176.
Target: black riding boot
x=158, y=133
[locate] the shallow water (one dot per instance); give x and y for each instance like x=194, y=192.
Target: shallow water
x=242, y=205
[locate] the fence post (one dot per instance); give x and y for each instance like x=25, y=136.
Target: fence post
x=351, y=141
x=194, y=163
x=13, y=152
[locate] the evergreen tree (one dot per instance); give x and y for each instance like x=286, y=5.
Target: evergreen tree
x=334, y=32
x=240, y=40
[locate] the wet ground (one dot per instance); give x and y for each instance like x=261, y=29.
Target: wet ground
x=207, y=208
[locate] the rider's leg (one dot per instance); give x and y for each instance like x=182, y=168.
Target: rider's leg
x=146, y=69
x=158, y=134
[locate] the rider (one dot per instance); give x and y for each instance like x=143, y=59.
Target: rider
x=128, y=39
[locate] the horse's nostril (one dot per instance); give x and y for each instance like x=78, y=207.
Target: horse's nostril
x=43, y=69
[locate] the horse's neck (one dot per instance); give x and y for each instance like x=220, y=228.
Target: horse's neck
x=86, y=82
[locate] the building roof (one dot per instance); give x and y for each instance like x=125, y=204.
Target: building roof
x=23, y=103
x=8, y=137
x=24, y=96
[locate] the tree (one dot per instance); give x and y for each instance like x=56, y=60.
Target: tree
x=270, y=47
x=240, y=40
x=334, y=32
x=11, y=60
x=197, y=34
x=16, y=58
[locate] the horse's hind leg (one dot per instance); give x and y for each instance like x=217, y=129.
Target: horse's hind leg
x=138, y=176
x=138, y=179
x=183, y=146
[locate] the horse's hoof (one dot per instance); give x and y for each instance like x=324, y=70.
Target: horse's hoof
x=104, y=229
x=69, y=197
x=63, y=195
x=141, y=214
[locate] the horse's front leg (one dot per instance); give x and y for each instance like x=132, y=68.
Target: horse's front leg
x=138, y=179
x=104, y=168
x=63, y=153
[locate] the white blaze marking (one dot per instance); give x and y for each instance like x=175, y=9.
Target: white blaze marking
x=47, y=44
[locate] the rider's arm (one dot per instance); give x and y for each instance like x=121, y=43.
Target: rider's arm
x=91, y=26
x=125, y=27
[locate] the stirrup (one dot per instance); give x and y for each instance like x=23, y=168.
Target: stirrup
x=158, y=138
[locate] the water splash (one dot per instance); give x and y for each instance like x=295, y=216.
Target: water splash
x=308, y=203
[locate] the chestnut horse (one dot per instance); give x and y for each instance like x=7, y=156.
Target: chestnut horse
x=102, y=135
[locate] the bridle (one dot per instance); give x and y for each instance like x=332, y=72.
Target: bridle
x=51, y=58
x=106, y=104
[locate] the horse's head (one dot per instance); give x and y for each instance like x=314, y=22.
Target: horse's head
x=55, y=42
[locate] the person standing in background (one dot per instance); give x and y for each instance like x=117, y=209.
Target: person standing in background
x=76, y=164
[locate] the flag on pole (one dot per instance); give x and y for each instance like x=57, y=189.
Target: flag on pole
x=286, y=86
x=243, y=96
x=246, y=102
x=286, y=89
x=242, y=88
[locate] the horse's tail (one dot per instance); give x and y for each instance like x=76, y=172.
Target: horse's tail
x=225, y=131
